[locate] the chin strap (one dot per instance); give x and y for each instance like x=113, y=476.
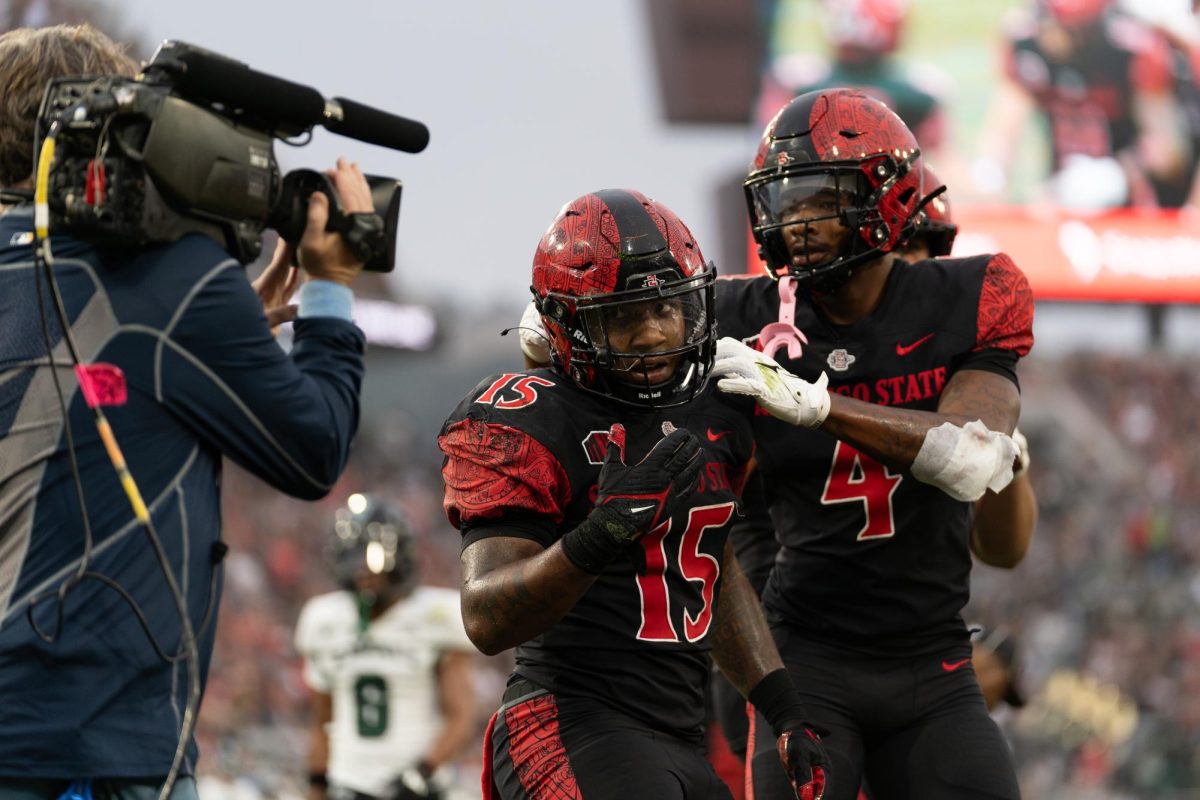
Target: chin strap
x=776, y=335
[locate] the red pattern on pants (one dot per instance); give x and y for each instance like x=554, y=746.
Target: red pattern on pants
x=537, y=751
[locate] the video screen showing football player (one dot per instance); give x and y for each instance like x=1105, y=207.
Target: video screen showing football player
x=878, y=424
x=1113, y=96
x=389, y=665
x=594, y=497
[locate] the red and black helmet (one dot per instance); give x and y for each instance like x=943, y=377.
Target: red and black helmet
x=844, y=145
x=935, y=223
x=611, y=254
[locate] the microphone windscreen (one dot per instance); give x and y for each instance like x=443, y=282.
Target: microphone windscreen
x=373, y=126
x=290, y=107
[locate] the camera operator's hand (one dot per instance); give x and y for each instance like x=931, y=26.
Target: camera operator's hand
x=276, y=285
x=324, y=254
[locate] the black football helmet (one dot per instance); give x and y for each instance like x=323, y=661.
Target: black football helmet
x=608, y=259
x=935, y=223
x=833, y=154
x=370, y=536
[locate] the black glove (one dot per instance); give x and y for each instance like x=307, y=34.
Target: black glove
x=632, y=500
x=805, y=761
x=413, y=784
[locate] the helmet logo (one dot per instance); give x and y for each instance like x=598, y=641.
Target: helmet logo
x=783, y=159
x=595, y=445
x=650, y=282
x=839, y=360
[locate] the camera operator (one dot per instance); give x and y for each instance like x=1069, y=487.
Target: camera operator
x=93, y=680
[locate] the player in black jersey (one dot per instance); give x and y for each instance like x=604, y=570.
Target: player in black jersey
x=595, y=499
x=1003, y=523
x=886, y=416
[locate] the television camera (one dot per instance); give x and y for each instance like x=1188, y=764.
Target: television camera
x=188, y=146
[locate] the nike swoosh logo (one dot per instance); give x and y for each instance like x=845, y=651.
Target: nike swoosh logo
x=715, y=436
x=903, y=350
x=640, y=510
x=951, y=666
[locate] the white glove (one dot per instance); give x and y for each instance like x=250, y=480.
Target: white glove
x=744, y=370
x=534, y=343
x=1023, y=457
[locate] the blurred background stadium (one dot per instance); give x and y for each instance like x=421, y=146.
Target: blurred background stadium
x=534, y=103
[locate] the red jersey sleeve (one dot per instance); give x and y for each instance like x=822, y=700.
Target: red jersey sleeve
x=1152, y=71
x=494, y=471
x=1005, y=317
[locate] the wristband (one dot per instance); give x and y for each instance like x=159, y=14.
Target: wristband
x=776, y=699
x=597, y=541
x=322, y=298
x=318, y=779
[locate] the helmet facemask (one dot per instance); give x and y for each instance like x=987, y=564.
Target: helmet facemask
x=816, y=222
x=650, y=344
x=369, y=538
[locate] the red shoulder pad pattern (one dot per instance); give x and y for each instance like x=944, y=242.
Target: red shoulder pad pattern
x=494, y=470
x=1005, y=317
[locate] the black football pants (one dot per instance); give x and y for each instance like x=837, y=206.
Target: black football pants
x=546, y=748
x=915, y=727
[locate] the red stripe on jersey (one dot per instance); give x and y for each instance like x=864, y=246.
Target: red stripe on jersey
x=1005, y=318
x=537, y=752
x=492, y=471
x=487, y=780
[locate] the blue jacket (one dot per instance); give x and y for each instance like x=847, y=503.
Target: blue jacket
x=205, y=379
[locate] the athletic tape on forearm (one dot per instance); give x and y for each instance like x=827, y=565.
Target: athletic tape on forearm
x=965, y=462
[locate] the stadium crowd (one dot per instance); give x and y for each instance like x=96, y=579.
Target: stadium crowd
x=1109, y=591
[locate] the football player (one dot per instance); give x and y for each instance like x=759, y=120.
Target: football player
x=1004, y=521
x=389, y=665
x=594, y=499
x=886, y=415
x=1106, y=84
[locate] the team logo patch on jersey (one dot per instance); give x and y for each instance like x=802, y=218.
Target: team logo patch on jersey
x=596, y=446
x=839, y=360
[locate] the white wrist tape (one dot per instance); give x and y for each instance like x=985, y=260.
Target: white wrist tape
x=965, y=462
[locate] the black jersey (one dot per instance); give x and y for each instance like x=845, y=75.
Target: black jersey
x=870, y=556
x=523, y=455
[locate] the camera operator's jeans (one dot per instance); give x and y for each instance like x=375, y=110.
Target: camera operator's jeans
x=100, y=789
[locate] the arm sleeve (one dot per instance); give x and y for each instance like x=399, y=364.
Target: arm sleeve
x=1004, y=320
x=500, y=481
x=287, y=418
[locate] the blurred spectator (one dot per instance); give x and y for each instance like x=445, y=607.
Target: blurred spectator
x=1109, y=87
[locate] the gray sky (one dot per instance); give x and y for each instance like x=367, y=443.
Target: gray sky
x=529, y=105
